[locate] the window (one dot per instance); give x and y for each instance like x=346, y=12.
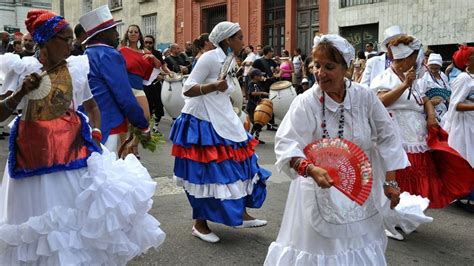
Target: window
x=149, y=25
x=120, y=29
x=115, y=4
x=211, y=16
x=274, y=24
x=346, y=3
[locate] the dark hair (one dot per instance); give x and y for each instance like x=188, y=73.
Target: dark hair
x=361, y=55
x=298, y=50
x=371, y=44
x=150, y=36
x=327, y=49
x=124, y=41
x=267, y=49
x=223, y=45
x=285, y=52
x=16, y=42
x=370, y=56
x=251, y=47
x=200, y=42
x=79, y=30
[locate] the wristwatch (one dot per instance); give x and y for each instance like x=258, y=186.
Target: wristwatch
x=391, y=183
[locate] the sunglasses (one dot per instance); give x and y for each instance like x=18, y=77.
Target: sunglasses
x=148, y=42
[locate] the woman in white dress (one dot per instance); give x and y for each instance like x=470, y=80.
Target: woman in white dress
x=321, y=226
x=435, y=79
x=64, y=199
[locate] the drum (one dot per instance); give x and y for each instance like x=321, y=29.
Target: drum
x=282, y=94
x=263, y=112
x=237, y=97
x=171, y=92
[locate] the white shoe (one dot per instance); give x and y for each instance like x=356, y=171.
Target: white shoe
x=396, y=236
x=252, y=223
x=211, y=237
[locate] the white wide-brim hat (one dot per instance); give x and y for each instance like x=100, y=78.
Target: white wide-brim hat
x=96, y=21
x=389, y=34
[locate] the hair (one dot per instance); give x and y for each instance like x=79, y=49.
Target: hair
x=428, y=52
x=371, y=44
x=361, y=55
x=124, y=41
x=78, y=31
x=267, y=49
x=223, y=45
x=17, y=42
x=285, y=52
x=199, y=43
x=251, y=47
x=298, y=50
x=150, y=36
x=327, y=49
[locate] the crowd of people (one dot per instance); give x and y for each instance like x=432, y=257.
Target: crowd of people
x=75, y=200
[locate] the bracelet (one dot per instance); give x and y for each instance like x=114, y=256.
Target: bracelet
x=200, y=89
x=97, y=135
x=303, y=167
x=391, y=183
x=296, y=164
x=146, y=131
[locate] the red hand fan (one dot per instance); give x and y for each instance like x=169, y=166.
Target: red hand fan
x=347, y=165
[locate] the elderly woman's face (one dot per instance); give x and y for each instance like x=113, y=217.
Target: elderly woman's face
x=434, y=68
x=237, y=42
x=405, y=64
x=330, y=74
x=60, y=46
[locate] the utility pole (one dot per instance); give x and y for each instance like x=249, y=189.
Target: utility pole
x=61, y=8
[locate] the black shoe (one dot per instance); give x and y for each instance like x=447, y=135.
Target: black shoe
x=2, y=137
x=260, y=141
x=271, y=127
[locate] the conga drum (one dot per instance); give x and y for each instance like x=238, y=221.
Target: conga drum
x=282, y=94
x=263, y=112
x=171, y=92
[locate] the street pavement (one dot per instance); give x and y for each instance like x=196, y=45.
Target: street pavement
x=448, y=240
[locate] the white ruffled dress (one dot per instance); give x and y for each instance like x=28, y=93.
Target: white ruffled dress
x=323, y=226
x=93, y=215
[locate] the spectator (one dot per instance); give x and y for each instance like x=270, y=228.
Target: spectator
x=177, y=61
x=17, y=48
x=28, y=45
x=81, y=35
x=369, y=49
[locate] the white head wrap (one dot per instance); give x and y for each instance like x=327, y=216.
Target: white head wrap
x=342, y=45
x=316, y=40
x=389, y=34
x=222, y=31
x=435, y=59
x=402, y=51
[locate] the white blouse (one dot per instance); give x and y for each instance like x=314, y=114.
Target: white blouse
x=214, y=107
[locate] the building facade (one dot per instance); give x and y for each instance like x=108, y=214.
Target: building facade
x=439, y=24
x=155, y=17
x=283, y=24
x=13, y=13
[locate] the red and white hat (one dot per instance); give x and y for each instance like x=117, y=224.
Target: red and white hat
x=97, y=20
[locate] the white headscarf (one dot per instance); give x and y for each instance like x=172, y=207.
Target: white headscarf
x=435, y=59
x=316, y=40
x=402, y=51
x=342, y=45
x=222, y=31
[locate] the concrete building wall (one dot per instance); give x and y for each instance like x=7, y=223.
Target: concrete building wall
x=14, y=14
x=131, y=12
x=434, y=22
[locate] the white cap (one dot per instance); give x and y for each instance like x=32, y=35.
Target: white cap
x=435, y=59
x=402, y=51
x=316, y=40
x=304, y=80
x=389, y=34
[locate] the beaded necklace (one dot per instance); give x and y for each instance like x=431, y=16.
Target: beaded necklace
x=340, y=131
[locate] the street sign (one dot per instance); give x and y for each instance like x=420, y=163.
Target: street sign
x=11, y=29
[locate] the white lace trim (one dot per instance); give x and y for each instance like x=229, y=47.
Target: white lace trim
x=416, y=148
x=283, y=255
x=236, y=190
x=108, y=225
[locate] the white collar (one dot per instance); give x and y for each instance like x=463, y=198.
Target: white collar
x=220, y=54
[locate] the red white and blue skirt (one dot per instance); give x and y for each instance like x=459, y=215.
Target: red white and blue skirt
x=221, y=177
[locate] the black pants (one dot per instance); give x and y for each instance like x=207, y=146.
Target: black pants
x=153, y=96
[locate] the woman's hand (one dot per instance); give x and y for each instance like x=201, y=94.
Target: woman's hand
x=320, y=176
x=221, y=85
x=31, y=83
x=410, y=76
x=393, y=195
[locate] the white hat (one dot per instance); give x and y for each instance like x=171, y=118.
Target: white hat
x=402, y=51
x=435, y=59
x=389, y=34
x=316, y=40
x=304, y=80
x=342, y=45
x=97, y=20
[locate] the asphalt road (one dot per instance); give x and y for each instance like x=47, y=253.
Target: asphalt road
x=448, y=240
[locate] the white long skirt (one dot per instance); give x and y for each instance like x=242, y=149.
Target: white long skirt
x=94, y=215
x=307, y=237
